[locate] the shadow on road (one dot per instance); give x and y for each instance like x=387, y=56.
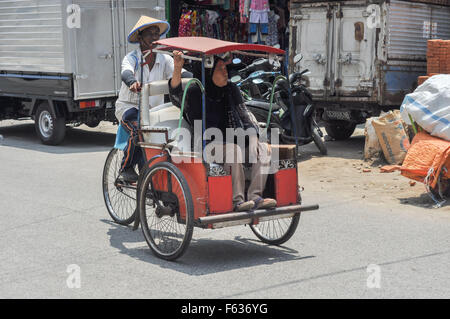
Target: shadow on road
x=422, y=201
x=77, y=140
x=351, y=148
x=203, y=256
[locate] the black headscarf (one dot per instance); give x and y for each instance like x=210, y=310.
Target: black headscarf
x=212, y=90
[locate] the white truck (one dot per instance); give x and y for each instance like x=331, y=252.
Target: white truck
x=364, y=55
x=60, y=59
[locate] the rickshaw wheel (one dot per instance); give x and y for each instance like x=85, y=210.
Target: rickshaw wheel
x=166, y=210
x=276, y=231
x=120, y=201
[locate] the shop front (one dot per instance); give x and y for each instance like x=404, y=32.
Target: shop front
x=244, y=21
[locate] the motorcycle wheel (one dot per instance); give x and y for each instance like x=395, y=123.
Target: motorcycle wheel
x=318, y=140
x=340, y=130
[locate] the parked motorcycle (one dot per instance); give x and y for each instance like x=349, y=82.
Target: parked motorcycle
x=257, y=89
x=255, y=79
x=258, y=85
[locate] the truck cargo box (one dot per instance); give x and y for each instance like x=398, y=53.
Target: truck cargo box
x=84, y=39
x=364, y=56
x=60, y=59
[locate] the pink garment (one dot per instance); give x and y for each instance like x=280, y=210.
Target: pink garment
x=262, y=5
x=243, y=11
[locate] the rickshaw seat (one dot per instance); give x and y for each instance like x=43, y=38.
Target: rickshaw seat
x=161, y=87
x=285, y=152
x=166, y=116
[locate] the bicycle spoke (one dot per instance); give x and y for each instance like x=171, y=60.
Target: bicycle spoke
x=166, y=234
x=120, y=200
x=276, y=231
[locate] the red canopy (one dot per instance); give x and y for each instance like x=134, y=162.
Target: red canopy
x=213, y=46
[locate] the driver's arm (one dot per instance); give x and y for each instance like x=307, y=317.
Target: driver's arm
x=129, y=66
x=128, y=78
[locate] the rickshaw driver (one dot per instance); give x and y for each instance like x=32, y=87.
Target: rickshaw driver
x=156, y=67
x=224, y=109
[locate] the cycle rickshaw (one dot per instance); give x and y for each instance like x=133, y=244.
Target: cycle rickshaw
x=177, y=190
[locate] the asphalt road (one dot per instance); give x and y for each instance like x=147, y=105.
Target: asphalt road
x=53, y=217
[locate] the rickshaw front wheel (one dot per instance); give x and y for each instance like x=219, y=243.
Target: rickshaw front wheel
x=276, y=231
x=166, y=210
x=120, y=199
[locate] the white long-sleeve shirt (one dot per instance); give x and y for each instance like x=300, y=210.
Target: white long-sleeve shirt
x=162, y=70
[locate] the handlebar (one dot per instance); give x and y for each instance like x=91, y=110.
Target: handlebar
x=260, y=64
x=257, y=74
x=297, y=75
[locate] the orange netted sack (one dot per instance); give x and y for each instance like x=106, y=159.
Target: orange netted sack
x=426, y=157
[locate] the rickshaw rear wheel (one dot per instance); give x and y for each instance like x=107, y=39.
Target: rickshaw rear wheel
x=276, y=231
x=120, y=200
x=166, y=210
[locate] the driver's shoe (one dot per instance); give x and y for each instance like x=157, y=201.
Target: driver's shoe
x=129, y=175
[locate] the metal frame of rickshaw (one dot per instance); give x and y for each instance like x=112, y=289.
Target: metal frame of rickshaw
x=155, y=153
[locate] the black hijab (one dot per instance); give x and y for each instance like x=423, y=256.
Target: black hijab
x=213, y=91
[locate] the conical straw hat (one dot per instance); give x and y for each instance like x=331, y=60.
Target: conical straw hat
x=145, y=22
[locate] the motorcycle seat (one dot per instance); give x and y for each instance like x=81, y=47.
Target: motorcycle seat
x=262, y=105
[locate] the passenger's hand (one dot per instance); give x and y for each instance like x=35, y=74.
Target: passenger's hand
x=135, y=87
x=178, y=63
x=178, y=60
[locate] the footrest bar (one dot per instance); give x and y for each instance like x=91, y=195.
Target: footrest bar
x=255, y=214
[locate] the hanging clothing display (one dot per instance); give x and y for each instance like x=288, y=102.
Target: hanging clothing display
x=252, y=21
x=259, y=20
x=210, y=21
x=244, y=10
x=272, y=37
x=184, y=25
x=259, y=10
x=211, y=2
x=282, y=9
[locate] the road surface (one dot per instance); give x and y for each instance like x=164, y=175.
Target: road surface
x=58, y=241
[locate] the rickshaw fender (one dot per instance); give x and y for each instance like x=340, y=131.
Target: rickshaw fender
x=137, y=219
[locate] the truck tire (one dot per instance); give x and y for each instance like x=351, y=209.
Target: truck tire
x=92, y=123
x=340, y=130
x=50, y=129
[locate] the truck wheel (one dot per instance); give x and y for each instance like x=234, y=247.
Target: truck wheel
x=93, y=123
x=340, y=130
x=50, y=129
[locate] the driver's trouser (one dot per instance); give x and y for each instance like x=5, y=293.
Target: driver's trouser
x=233, y=159
x=132, y=153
